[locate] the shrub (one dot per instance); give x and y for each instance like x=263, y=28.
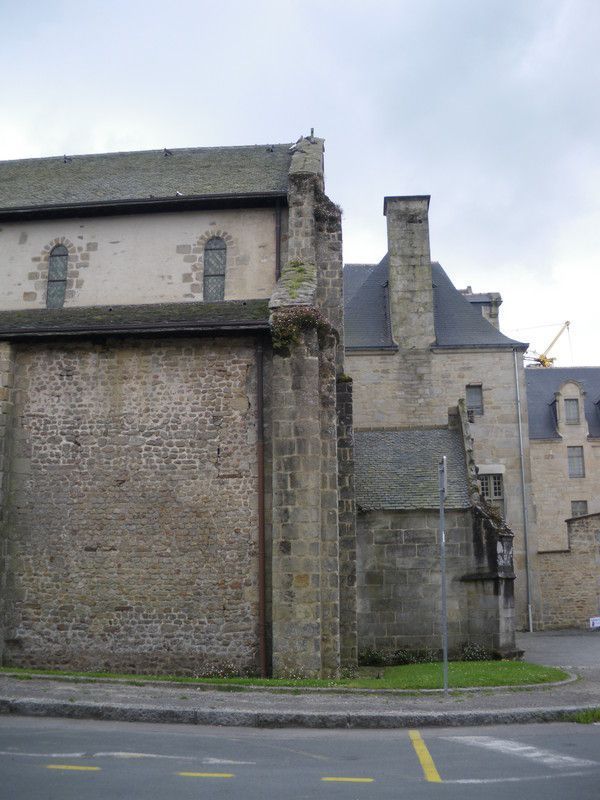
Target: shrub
x=471, y=651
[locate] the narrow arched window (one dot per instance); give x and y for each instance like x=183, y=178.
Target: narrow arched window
x=57, y=276
x=215, y=261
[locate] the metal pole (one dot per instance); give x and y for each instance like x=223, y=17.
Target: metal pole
x=443, y=484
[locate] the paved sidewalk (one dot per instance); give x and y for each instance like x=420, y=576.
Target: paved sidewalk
x=310, y=708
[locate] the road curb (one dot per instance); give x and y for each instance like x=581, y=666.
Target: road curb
x=284, y=719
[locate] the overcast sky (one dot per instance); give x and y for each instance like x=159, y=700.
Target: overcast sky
x=491, y=107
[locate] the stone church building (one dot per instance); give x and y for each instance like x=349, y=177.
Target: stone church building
x=176, y=474
x=183, y=487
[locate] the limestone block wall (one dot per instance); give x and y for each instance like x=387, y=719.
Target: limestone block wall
x=570, y=580
x=305, y=636
x=554, y=490
x=130, y=527
x=399, y=581
x=138, y=258
x=412, y=388
x=411, y=298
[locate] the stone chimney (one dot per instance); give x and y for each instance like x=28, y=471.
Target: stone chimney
x=410, y=289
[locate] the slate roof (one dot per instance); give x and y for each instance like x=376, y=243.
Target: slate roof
x=229, y=315
x=124, y=177
x=366, y=306
x=458, y=322
x=398, y=469
x=541, y=387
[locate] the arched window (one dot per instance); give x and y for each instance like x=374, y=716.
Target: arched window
x=215, y=261
x=57, y=276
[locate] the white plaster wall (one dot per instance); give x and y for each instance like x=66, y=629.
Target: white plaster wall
x=140, y=258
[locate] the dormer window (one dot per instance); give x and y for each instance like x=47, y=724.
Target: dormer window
x=215, y=262
x=58, y=261
x=572, y=411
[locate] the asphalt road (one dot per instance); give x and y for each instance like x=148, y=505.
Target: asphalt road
x=50, y=759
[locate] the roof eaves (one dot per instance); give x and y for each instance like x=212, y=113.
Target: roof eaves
x=139, y=204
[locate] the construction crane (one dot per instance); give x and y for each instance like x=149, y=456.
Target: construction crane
x=543, y=360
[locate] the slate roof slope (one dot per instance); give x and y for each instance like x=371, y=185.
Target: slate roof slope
x=457, y=321
x=398, y=469
x=366, y=307
x=541, y=387
x=121, y=177
x=160, y=317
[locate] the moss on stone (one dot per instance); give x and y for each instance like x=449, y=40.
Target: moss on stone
x=297, y=275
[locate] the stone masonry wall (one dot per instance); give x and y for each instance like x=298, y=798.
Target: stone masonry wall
x=131, y=525
x=347, y=525
x=554, y=490
x=412, y=388
x=570, y=580
x=296, y=542
x=399, y=581
x=305, y=531
x=6, y=416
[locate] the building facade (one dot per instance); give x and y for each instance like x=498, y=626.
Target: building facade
x=170, y=362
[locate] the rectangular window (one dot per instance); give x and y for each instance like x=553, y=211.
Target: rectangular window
x=474, y=401
x=579, y=508
x=576, y=465
x=492, y=487
x=572, y=412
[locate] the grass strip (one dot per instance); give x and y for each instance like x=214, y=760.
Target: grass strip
x=462, y=674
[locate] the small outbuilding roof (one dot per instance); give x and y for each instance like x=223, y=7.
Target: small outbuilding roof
x=542, y=384
x=144, y=175
x=398, y=469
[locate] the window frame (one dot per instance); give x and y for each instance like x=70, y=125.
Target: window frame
x=474, y=409
x=572, y=402
x=582, y=503
x=58, y=272
x=575, y=461
x=215, y=267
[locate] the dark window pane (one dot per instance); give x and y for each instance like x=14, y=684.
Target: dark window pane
x=215, y=263
x=57, y=263
x=215, y=257
x=214, y=288
x=579, y=508
x=55, y=297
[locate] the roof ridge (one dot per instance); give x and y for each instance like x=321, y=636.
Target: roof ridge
x=158, y=151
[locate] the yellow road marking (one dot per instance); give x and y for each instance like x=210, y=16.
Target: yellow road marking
x=425, y=759
x=349, y=780
x=73, y=767
x=206, y=774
